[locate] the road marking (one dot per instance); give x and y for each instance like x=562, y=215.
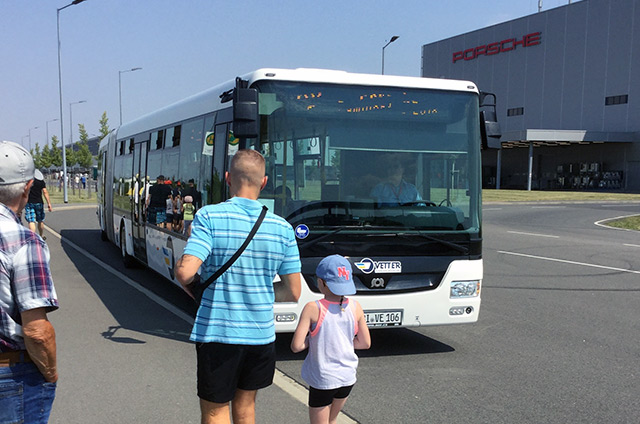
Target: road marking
x=71, y=207
x=533, y=234
x=281, y=380
x=569, y=262
x=631, y=245
x=491, y=209
x=602, y=221
x=548, y=207
x=623, y=205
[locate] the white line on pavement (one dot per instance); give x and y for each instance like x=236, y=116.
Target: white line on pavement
x=533, y=234
x=569, y=262
x=287, y=384
x=601, y=223
x=631, y=245
x=548, y=207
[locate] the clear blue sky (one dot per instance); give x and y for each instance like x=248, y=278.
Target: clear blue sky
x=186, y=46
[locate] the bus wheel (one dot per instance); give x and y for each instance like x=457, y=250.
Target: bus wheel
x=103, y=236
x=127, y=259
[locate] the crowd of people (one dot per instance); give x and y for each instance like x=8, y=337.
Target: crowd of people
x=234, y=340
x=172, y=206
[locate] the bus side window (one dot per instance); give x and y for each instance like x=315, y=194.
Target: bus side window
x=176, y=135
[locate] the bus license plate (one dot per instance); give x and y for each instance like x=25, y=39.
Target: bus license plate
x=383, y=318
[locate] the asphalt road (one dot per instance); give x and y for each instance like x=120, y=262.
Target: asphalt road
x=556, y=341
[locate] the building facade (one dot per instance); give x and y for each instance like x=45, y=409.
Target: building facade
x=568, y=94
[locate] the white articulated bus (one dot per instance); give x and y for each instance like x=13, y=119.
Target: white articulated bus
x=333, y=143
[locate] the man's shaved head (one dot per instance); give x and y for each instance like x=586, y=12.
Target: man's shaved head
x=247, y=169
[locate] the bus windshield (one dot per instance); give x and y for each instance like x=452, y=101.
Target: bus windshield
x=357, y=158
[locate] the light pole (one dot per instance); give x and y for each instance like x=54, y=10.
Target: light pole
x=71, y=120
x=64, y=156
x=394, y=38
x=47, y=125
x=34, y=128
x=120, y=87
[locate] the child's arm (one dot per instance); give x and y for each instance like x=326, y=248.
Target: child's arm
x=308, y=315
x=363, y=338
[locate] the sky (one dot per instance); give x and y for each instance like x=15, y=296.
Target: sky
x=187, y=46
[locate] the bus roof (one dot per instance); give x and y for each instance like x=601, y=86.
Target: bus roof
x=209, y=100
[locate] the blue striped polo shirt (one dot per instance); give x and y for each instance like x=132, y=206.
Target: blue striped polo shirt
x=237, y=308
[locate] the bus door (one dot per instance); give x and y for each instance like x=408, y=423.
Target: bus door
x=139, y=199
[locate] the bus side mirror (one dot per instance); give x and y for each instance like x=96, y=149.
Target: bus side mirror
x=489, y=127
x=245, y=110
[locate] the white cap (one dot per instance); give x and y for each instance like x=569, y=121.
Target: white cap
x=16, y=164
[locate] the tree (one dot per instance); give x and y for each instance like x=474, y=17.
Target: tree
x=71, y=156
x=37, y=157
x=104, y=125
x=84, y=158
x=46, y=157
x=56, y=152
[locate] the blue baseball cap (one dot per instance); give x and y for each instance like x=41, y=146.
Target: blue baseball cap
x=336, y=271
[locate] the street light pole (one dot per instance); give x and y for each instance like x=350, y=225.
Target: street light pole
x=34, y=128
x=47, y=125
x=120, y=87
x=394, y=38
x=71, y=121
x=64, y=156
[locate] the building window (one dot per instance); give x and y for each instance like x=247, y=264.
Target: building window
x=516, y=111
x=616, y=100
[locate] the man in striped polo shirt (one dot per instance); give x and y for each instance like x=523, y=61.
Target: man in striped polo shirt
x=234, y=328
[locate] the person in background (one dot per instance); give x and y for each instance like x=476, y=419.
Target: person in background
x=395, y=191
x=177, y=208
x=34, y=209
x=188, y=211
x=168, y=212
x=28, y=366
x=156, y=201
x=190, y=190
x=234, y=329
x=331, y=328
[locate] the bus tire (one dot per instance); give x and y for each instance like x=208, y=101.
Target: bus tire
x=127, y=259
x=103, y=235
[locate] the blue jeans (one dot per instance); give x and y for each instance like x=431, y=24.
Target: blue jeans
x=25, y=396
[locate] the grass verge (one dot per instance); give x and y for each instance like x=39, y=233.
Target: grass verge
x=57, y=197
x=554, y=196
x=629, y=223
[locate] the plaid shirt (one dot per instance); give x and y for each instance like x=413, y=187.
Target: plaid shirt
x=25, y=279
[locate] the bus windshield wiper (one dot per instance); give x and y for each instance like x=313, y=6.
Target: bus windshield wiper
x=450, y=244
x=350, y=227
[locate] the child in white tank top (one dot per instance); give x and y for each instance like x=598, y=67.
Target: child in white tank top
x=331, y=328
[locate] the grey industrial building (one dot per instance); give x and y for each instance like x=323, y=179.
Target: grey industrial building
x=568, y=94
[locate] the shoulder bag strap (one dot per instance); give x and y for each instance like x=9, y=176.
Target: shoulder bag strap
x=236, y=255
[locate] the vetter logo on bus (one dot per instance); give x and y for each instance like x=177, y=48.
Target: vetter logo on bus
x=368, y=266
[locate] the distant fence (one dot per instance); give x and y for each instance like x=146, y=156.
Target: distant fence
x=75, y=186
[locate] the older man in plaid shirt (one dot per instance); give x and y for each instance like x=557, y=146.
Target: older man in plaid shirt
x=28, y=371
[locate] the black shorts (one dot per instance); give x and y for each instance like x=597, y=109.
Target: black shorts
x=223, y=368
x=319, y=398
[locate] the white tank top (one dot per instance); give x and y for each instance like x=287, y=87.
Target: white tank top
x=332, y=362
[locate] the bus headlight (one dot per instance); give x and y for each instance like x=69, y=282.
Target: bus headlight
x=464, y=289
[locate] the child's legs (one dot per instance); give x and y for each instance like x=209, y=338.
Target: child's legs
x=319, y=415
x=325, y=405
x=327, y=414
x=336, y=407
